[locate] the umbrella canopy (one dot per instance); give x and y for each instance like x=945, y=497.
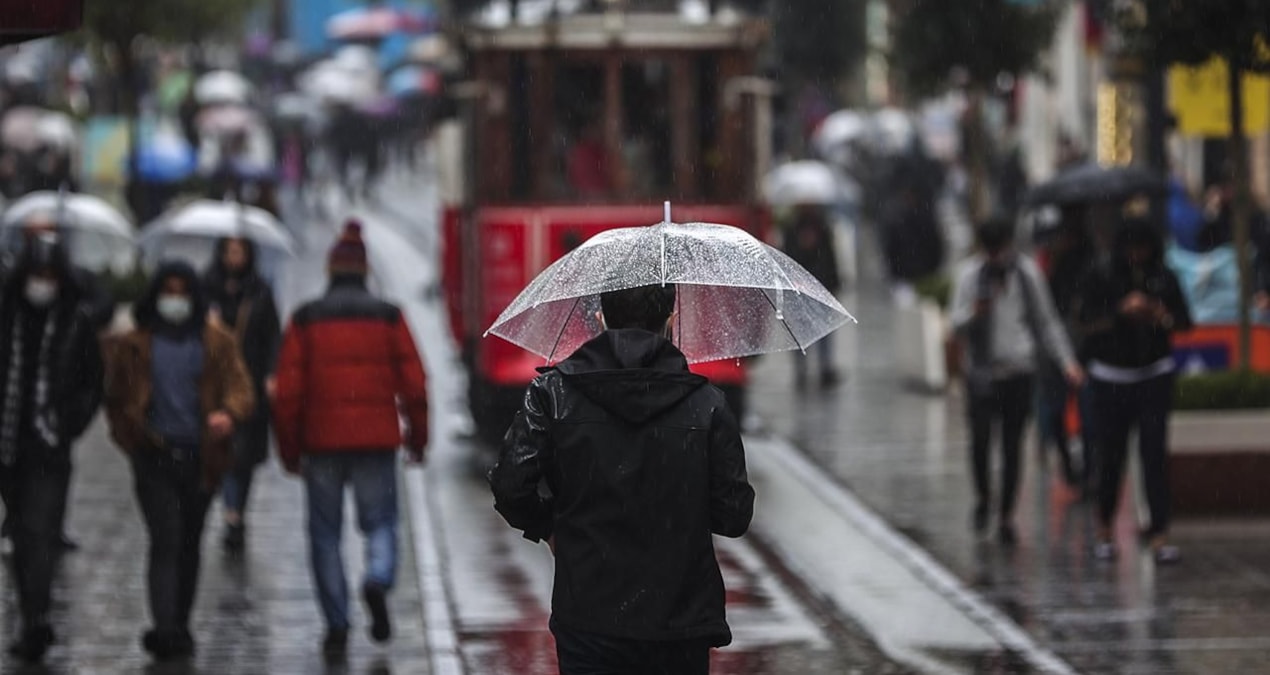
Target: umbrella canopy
x=808, y=182
x=376, y=23
x=836, y=134
x=893, y=131
x=331, y=82
x=227, y=119
x=431, y=50
x=58, y=130
x=414, y=80
x=20, y=128
x=102, y=237
x=210, y=220
x=166, y=158
x=222, y=86
x=1091, y=183
x=736, y=295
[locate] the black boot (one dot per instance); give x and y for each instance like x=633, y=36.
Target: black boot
x=235, y=538
x=33, y=644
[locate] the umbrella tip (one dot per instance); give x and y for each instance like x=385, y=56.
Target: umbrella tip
x=666, y=211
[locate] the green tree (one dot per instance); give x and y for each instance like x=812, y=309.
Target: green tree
x=118, y=25
x=1166, y=32
x=818, y=42
x=939, y=44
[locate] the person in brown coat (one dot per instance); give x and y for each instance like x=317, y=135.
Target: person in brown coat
x=175, y=390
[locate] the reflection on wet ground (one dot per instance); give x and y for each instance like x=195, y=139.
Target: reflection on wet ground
x=905, y=454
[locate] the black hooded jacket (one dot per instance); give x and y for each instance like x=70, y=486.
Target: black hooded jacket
x=1110, y=337
x=250, y=314
x=641, y=460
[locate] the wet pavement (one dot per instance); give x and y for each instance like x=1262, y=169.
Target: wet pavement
x=905, y=455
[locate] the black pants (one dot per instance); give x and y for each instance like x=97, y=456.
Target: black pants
x=1006, y=402
x=583, y=653
x=174, y=506
x=1121, y=407
x=35, y=494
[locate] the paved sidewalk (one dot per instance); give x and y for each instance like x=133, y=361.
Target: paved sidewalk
x=905, y=455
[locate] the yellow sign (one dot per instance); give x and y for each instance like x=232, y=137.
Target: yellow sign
x=1200, y=98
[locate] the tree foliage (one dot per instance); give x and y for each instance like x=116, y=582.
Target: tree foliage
x=1179, y=31
x=980, y=38
x=819, y=40
x=120, y=22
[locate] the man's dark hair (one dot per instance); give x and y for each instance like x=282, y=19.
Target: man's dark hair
x=647, y=307
x=994, y=234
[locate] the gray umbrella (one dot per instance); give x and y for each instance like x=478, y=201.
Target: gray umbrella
x=736, y=295
x=1091, y=183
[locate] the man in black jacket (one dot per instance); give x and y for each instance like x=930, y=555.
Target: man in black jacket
x=641, y=461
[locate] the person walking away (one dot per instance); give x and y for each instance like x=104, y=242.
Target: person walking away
x=348, y=365
x=52, y=370
x=642, y=461
x=911, y=240
x=810, y=242
x=242, y=302
x=1001, y=311
x=176, y=390
x=1128, y=311
x=1071, y=256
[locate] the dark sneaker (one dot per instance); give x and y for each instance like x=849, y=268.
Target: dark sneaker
x=335, y=645
x=167, y=645
x=67, y=544
x=979, y=519
x=1006, y=535
x=376, y=598
x=33, y=644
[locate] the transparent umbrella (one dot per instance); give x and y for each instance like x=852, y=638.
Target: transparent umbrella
x=736, y=295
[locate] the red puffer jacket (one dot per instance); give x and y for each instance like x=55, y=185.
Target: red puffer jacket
x=348, y=366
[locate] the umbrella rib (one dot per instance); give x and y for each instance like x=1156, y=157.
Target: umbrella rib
x=785, y=323
x=564, y=324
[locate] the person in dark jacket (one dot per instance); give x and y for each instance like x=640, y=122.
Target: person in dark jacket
x=348, y=370
x=242, y=303
x=642, y=461
x=1128, y=311
x=810, y=243
x=175, y=390
x=911, y=240
x=51, y=367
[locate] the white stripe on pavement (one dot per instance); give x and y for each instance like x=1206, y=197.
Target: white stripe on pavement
x=438, y=611
x=902, y=628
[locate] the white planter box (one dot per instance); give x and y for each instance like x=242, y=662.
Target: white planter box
x=919, y=345
x=1219, y=431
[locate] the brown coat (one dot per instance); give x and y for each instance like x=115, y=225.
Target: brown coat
x=224, y=386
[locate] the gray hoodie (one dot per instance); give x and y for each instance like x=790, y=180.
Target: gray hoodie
x=1014, y=334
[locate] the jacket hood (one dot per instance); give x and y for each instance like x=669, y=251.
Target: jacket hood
x=146, y=310
x=634, y=374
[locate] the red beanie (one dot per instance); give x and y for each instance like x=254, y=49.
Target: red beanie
x=348, y=255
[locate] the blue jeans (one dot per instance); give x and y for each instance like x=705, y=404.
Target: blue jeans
x=373, y=476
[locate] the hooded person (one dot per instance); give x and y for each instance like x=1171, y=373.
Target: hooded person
x=348, y=373
x=51, y=367
x=176, y=389
x=642, y=461
x=242, y=303
x=1128, y=312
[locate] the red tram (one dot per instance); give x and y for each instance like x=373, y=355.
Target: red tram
x=585, y=123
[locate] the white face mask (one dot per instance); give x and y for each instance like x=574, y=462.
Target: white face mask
x=174, y=309
x=41, y=292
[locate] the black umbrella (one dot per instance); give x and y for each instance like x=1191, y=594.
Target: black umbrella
x=1091, y=183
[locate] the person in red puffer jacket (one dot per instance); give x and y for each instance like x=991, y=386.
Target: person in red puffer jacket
x=347, y=370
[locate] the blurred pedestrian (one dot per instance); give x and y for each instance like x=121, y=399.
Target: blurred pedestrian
x=1128, y=312
x=911, y=240
x=642, y=462
x=1070, y=256
x=242, y=302
x=52, y=370
x=348, y=366
x=95, y=300
x=176, y=390
x=1001, y=310
x=809, y=241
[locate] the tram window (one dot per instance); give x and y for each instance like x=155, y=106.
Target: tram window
x=647, y=156
x=581, y=156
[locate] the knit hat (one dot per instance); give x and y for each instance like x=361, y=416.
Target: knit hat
x=348, y=255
